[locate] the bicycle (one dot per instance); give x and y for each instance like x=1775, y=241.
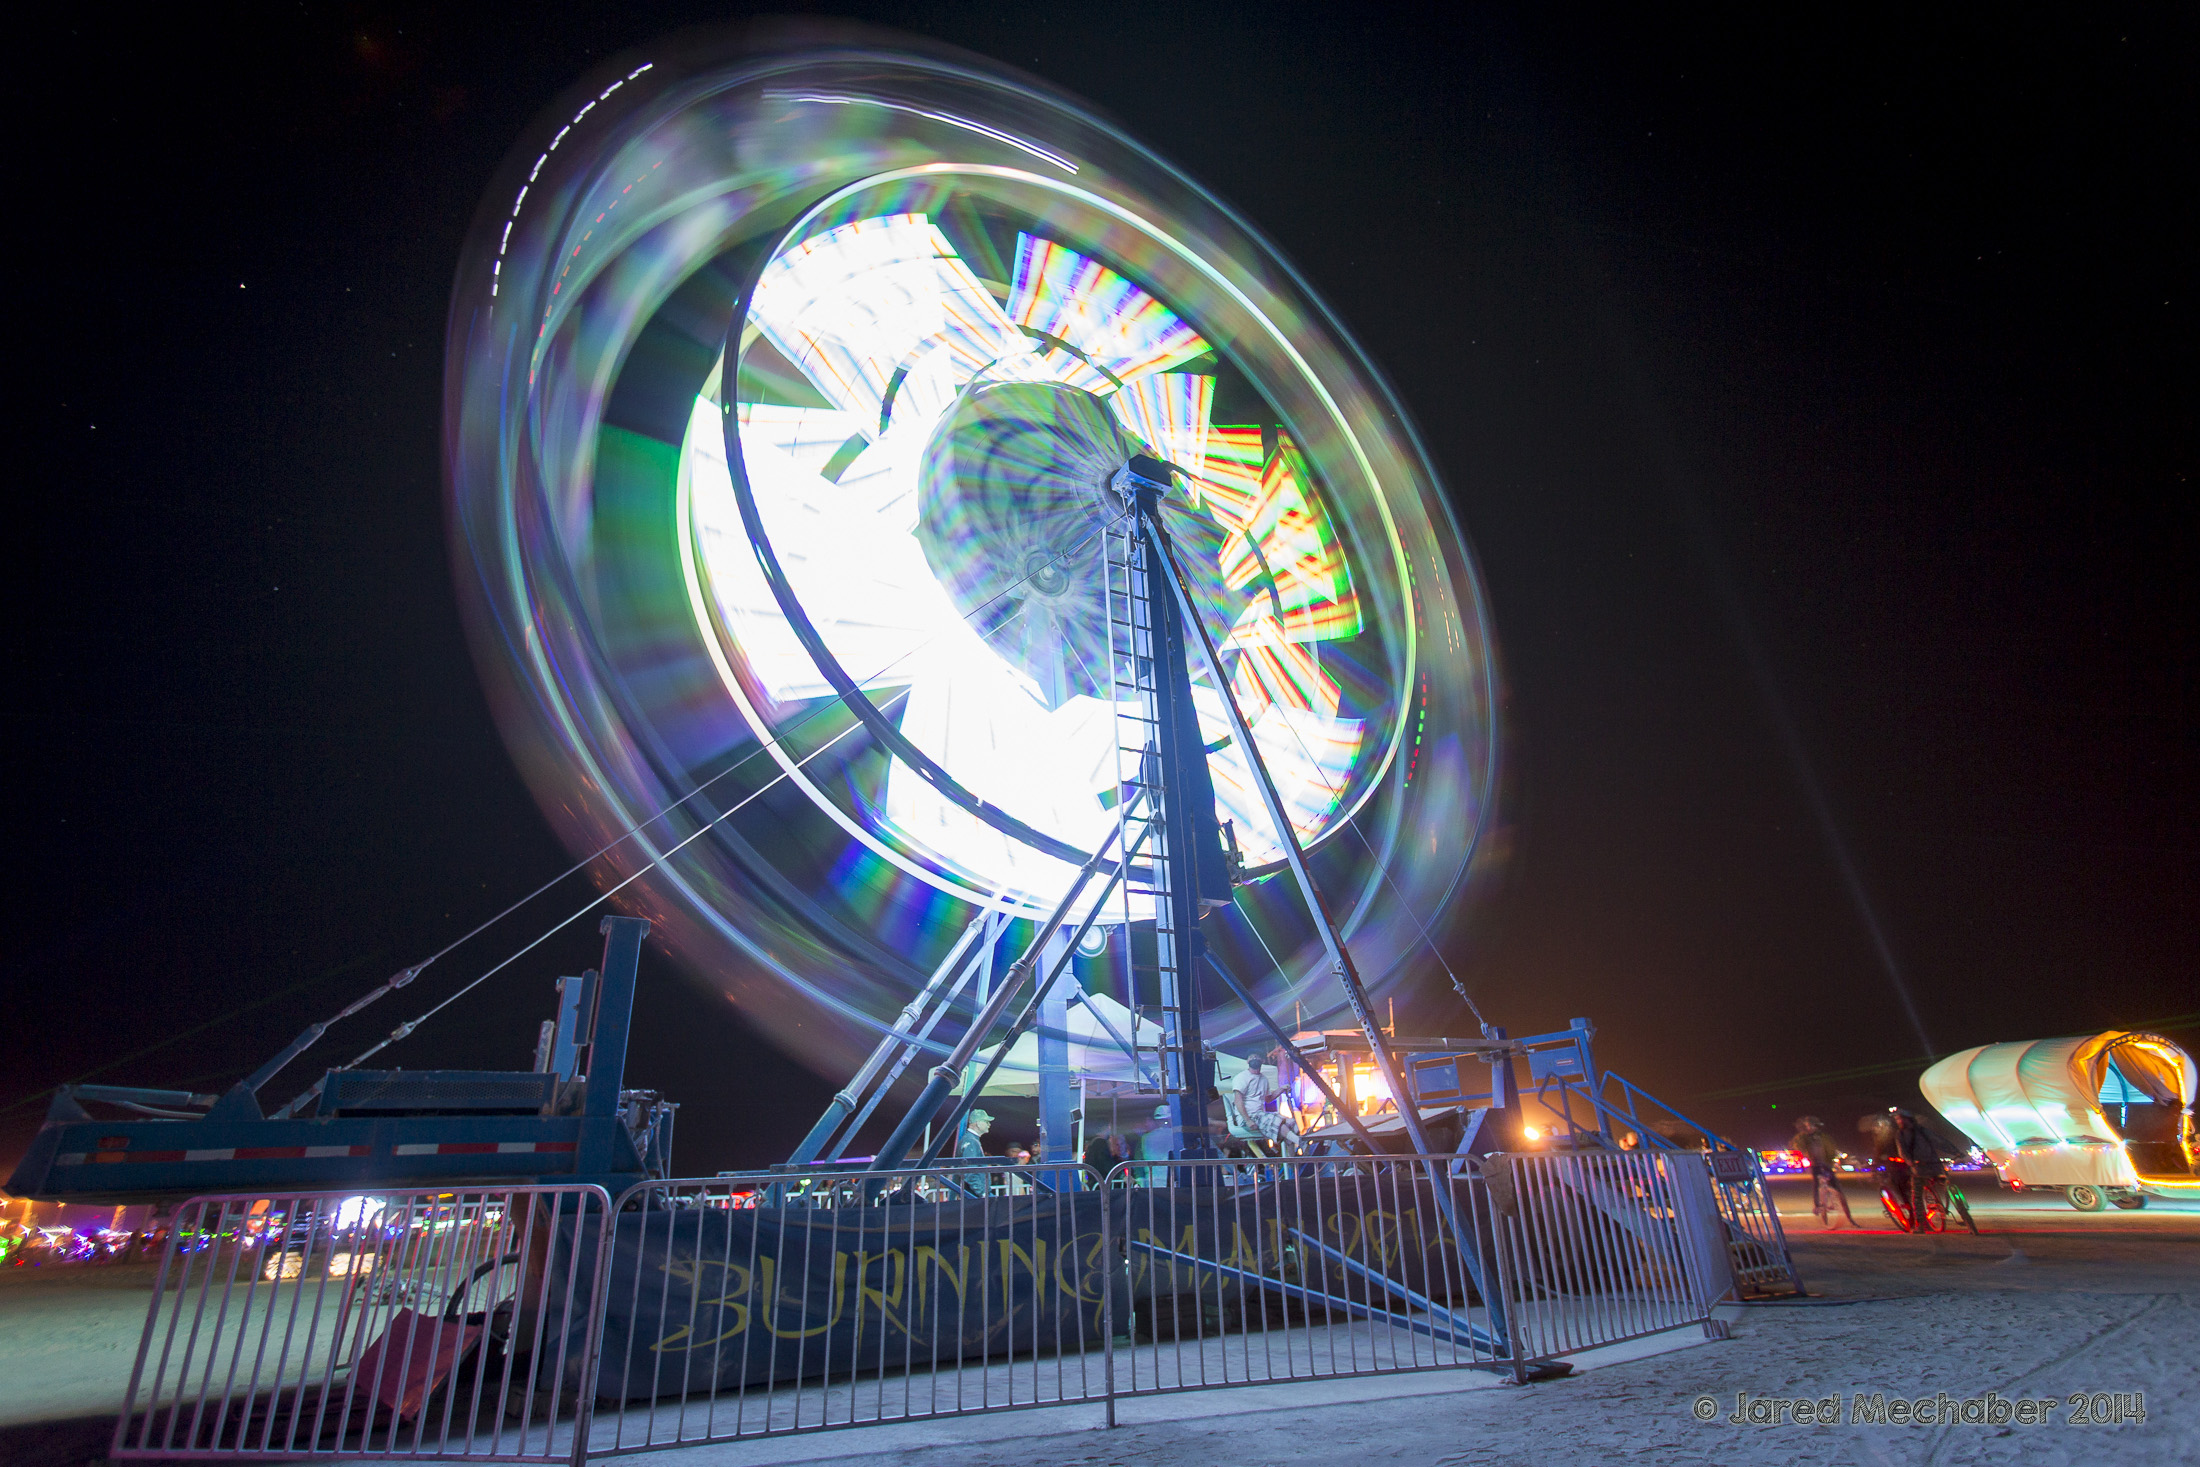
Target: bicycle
x=1916, y=1204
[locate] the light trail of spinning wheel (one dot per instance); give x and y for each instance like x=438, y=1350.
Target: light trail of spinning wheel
x=908, y=308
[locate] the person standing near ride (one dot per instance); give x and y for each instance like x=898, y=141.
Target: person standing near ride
x=1817, y=1148
x=972, y=1144
x=1102, y=1152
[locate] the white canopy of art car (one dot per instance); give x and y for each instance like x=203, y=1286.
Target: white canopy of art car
x=2037, y=1108
x=1096, y=1055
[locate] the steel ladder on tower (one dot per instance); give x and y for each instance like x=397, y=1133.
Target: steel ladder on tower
x=1134, y=695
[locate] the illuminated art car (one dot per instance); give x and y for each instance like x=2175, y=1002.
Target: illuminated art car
x=2103, y=1117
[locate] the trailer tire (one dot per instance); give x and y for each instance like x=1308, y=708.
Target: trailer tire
x=2085, y=1198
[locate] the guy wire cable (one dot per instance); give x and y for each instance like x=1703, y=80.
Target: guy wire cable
x=405, y=1029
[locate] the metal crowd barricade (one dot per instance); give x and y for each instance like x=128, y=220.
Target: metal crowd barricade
x=425, y=1325
x=1757, y=1244
x=764, y=1304
x=1606, y=1246
x=1758, y=1247
x=761, y=1304
x=1239, y=1273
x=550, y=1323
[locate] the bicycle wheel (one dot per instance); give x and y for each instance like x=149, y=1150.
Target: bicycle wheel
x=1931, y=1208
x=1963, y=1210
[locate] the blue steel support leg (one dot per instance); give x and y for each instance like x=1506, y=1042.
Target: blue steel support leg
x=941, y=1083
x=1057, y=1086
x=1584, y=1032
x=891, y=1055
x=604, y=1147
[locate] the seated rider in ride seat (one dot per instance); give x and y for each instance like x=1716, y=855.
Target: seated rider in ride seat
x=1259, y=1103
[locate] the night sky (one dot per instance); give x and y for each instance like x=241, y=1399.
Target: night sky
x=1819, y=401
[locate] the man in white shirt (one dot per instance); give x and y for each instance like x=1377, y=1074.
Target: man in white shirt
x=1261, y=1106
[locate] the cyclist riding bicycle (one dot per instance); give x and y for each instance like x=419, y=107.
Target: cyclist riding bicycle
x=1817, y=1148
x=1913, y=1176
x=1879, y=1133
x=1915, y=1145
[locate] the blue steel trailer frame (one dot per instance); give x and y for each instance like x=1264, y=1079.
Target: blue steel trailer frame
x=580, y=1133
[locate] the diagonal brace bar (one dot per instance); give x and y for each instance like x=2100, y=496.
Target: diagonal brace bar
x=1315, y=1296
x=940, y=1084
x=1030, y=1013
x=1390, y=1285
x=947, y=980
x=1340, y=959
x=1244, y=996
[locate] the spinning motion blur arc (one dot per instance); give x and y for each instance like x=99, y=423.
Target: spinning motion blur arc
x=786, y=385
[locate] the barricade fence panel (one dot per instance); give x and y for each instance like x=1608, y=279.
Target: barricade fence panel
x=551, y=1323
x=1295, y=1269
x=1605, y=1246
x=1761, y=1261
x=379, y=1324
x=761, y=1304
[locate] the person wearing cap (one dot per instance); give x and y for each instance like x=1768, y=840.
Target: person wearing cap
x=1154, y=1144
x=1816, y=1147
x=973, y=1136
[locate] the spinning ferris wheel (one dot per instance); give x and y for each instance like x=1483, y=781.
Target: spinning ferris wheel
x=868, y=471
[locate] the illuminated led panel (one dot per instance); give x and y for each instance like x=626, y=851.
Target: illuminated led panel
x=1230, y=473
x=1168, y=411
x=1112, y=322
x=855, y=305
x=1281, y=537
x=1275, y=668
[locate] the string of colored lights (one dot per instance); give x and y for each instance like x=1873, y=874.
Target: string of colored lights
x=504, y=236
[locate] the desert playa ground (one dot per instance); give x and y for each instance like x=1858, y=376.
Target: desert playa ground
x=2047, y=1303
